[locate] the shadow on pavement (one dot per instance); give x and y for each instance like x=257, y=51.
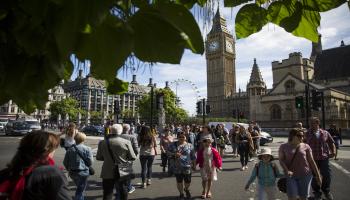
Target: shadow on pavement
x=157, y=198
x=231, y=169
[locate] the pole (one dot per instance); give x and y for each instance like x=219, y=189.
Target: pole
x=323, y=112
x=151, y=123
x=307, y=87
x=203, y=110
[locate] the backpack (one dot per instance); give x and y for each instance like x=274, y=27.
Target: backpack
x=271, y=164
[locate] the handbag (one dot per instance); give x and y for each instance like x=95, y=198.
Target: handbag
x=282, y=182
x=122, y=171
x=91, y=170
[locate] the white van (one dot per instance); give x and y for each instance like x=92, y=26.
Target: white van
x=33, y=124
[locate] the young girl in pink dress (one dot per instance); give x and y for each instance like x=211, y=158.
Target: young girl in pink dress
x=208, y=159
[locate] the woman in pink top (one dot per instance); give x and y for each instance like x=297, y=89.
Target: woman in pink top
x=165, y=140
x=299, y=172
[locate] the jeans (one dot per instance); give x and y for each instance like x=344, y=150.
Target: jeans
x=128, y=185
x=266, y=192
x=299, y=186
x=234, y=147
x=121, y=187
x=325, y=171
x=146, y=167
x=81, y=183
x=244, y=154
x=164, y=158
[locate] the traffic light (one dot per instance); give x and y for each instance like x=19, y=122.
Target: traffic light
x=199, y=107
x=207, y=109
x=299, y=102
x=316, y=98
x=116, y=107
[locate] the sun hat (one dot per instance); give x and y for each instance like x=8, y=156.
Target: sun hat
x=265, y=151
x=207, y=137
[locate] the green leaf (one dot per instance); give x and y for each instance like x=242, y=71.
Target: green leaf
x=187, y=3
x=139, y=3
x=277, y=11
x=307, y=28
x=3, y=14
x=321, y=5
x=107, y=47
x=250, y=19
x=183, y=20
x=291, y=22
x=68, y=70
x=117, y=86
x=233, y=3
x=291, y=16
x=201, y=2
x=163, y=31
x=261, y=2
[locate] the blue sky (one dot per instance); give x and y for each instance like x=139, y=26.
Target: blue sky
x=270, y=44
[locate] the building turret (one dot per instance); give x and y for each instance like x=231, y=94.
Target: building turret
x=256, y=84
x=316, y=49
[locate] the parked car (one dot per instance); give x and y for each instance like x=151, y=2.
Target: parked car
x=3, y=123
x=93, y=130
x=9, y=127
x=20, y=128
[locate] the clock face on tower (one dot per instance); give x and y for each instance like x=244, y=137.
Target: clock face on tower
x=229, y=47
x=213, y=46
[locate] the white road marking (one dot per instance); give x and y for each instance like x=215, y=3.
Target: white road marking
x=339, y=167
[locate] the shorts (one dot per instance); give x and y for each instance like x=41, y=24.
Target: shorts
x=337, y=142
x=183, y=177
x=299, y=186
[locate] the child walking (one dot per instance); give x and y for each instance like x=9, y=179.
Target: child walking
x=266, y=171
x=208, y=159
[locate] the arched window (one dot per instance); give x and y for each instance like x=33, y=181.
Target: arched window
x=275, y=111
x=290, y=87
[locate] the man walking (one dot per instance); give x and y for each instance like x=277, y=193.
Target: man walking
x=126, y=135
x=114, y=147
x=323, y=148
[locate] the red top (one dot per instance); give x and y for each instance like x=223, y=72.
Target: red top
x=216, y=158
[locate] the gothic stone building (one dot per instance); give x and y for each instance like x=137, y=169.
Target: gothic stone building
x=326, y=70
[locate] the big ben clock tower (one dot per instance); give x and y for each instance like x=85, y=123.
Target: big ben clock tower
x=220, y=55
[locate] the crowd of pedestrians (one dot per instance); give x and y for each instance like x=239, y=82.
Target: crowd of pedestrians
x=303, y=159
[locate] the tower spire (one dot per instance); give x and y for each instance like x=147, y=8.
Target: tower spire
x=255, y=76
x=219, y=23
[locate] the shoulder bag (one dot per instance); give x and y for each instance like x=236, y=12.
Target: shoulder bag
x=122, y=171
x=91, y=170
x=282, y=182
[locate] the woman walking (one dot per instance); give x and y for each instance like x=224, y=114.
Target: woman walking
x=148, y=145
x=208, y=159
x=69, y=133
x=165, y=140
x=298, y=164
x=245, y=146
x=77, y=161
x=32, y=174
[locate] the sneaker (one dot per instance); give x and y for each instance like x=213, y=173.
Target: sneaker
x=242, y=168
x=246, y=167
x=149, y=182
x=144, y=186
x=251, y=160
x=132, y=190
x=329, y=196
x=188, y=194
